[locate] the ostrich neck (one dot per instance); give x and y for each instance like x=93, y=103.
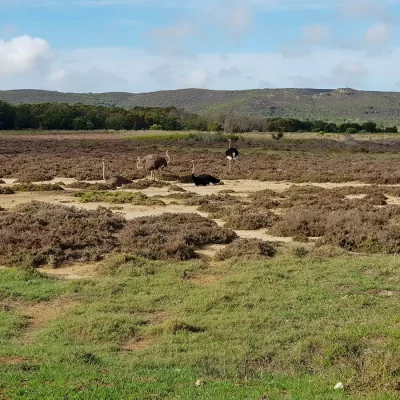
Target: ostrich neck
x=168, y=157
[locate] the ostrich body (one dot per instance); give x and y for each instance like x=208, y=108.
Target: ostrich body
x=231, y=154
x=204, y=179
x=115, y=180
x=153, y=163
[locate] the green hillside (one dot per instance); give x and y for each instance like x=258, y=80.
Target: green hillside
x=336, y=105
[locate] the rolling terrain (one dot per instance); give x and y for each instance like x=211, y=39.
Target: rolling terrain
x=336, y=104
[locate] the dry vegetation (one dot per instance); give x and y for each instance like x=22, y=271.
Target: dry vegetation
x=246, y=249
x=90, y=186
x=172, y=236
x=35, y=234
x=310, y=160
x=136, y=198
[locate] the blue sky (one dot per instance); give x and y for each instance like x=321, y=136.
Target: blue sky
x=146, y=45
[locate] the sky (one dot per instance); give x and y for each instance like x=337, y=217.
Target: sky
x=148, y=45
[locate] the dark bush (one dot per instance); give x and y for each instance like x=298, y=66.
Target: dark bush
x=246, y=248
x=90, y=186
x=172, y=236
x=41, y=187
x=38, y=233
x=6, y=190
x=248, y=218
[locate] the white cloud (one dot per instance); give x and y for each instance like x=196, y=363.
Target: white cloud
x=24, y=54
x=379, y=34
x=315, y=34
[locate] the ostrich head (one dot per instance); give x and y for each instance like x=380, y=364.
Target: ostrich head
x=229, y=140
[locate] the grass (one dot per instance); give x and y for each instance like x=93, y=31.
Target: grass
x=277, y=328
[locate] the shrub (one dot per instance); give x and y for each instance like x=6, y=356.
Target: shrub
x=127, y=265
x=370, y=231
x=90, y=186
x=42, y=187
x=2, y=182
x=6, y=190
x=246, y=248
x=137, y=198
x=144, y=184
x=176, y=188
x=32, y=175
x=156, y=127
x=172, y=236
x=351, y=131
x=247, y=218
x=302, y=222
x=38, y=233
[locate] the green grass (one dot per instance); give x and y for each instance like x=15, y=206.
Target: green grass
x=136, y=198
x=281, y=328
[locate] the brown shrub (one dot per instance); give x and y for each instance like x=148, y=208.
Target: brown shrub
x=371, y=231
x=118, y=197
x=32, y=175
x=246, y=248
x=41, y=187
x=375, y=199
x=6, y=190
x=302, y=222
x=326, y=251
x=247, y=218
x=217, y=205
x=2, y=182
x=90, y=186
x=144, y=184
x=38, y=233
x=171, y=236
x=176, y=188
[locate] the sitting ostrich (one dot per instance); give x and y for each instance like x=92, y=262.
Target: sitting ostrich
x=153, y=163
x=204, y=179
x=231, y=154
x=116, y=180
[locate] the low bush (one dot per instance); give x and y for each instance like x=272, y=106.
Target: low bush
x=248, y=218
x=35, y=233
x=171, y=236
x=2, y=182
x=90, y=186
x=41, y=187
x=371, y=231
x=303, y=222
x=6, y=190
x=176, y=188
x=32, y=175
x=137, y=198
x=144, y=184
x=127, y=265
x=246, y=248
x=217, y=205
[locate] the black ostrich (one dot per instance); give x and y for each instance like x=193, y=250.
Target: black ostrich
x=231, y=154
x=204, y=179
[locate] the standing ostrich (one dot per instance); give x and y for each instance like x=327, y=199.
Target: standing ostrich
x=204, y=179
x=231, y=154
x=153, y=163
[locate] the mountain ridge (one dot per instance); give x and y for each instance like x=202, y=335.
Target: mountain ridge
x=330, y=104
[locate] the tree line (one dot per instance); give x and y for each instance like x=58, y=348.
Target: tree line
x=55, y=116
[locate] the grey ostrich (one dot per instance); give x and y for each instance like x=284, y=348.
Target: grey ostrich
x=153, y=163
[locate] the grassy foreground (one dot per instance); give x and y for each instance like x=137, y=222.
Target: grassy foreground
x=286, y=328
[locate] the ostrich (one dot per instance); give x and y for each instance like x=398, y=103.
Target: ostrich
x=153, y=163
x=231, y=154
x=116, y=180
x=204, y=179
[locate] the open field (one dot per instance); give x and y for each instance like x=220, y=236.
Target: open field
x=277, y=284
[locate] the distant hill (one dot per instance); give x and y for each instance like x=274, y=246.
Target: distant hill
x=329, y=104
